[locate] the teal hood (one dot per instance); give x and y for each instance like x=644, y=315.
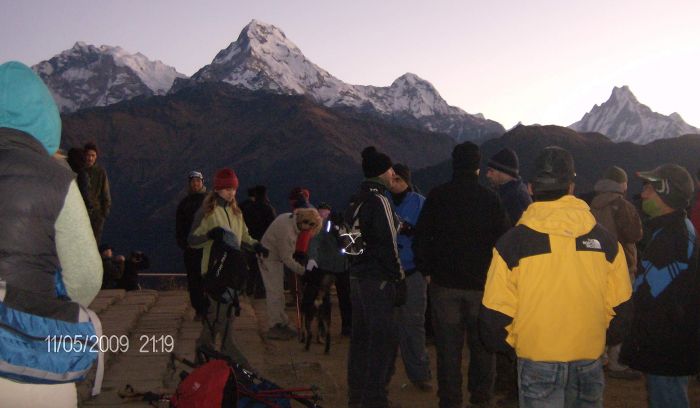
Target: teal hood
x=27, y=105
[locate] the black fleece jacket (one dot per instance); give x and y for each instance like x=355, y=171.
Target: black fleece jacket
x=378, y=223
x=457, y=229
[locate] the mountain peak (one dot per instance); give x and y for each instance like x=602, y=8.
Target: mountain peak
x=86, y=76
x=624, y=119
x=410, y=79
x=262, y=35
x=257, y=26
x=623, y=94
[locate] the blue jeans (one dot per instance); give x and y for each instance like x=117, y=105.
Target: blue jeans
x=411, y=326
x=374, y=342
x=554, y=385
x=455, y=313
x=667, y=392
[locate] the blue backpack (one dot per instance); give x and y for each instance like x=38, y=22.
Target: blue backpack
x=47, y=340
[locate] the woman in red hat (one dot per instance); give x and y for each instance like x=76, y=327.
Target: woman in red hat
x=220, y=219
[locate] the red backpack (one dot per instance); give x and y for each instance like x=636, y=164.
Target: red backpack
x=211, y=385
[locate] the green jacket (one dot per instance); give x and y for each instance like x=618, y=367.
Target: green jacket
x=223, y=217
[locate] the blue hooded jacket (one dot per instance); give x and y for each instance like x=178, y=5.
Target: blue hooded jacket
x=27, y=105
x=408, y=211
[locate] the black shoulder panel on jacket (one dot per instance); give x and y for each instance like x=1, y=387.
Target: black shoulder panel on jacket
x=522, y=242
x=598, y=240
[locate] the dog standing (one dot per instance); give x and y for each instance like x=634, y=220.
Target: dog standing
x=316, y=304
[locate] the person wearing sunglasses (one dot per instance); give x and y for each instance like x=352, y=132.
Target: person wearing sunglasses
x=663, y=341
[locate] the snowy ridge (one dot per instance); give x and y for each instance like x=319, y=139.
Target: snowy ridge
x=624, y=119
x=264, y=58
x=86, y=76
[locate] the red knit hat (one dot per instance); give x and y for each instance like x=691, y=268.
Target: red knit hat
x=225, y=178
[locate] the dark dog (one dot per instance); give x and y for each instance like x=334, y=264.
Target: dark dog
x=316, y=304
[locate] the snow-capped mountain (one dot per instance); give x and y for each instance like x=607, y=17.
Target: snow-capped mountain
x=86, y=76
x=263, y=58
x=624, y=119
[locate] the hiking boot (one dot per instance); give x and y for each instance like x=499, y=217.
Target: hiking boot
x=423, y=385
x=626, y=374
x=279, y=332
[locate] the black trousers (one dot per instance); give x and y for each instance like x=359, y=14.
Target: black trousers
x=342, y=287
x=254, y=284
x=195, y=281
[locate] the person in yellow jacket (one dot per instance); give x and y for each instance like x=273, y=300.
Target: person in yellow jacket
x=556, y=281
x=219, y=218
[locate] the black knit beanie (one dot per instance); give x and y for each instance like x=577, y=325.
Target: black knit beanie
x=374, y=163
x=505, y=161
x=466, y=156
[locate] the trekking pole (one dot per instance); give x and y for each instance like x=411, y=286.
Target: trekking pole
x=297, y=295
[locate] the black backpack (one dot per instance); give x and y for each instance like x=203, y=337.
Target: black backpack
x=349, y=233
x=227, y=272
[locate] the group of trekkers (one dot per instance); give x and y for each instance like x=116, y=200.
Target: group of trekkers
x=547, y=289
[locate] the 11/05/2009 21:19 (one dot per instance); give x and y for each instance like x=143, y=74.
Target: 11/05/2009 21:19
x=116, y=344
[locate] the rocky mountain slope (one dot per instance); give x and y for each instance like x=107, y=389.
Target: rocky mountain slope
x=86, y=76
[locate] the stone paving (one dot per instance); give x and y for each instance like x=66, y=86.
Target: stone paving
x=148, y=317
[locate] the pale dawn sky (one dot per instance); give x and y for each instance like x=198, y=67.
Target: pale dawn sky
x=535, y=61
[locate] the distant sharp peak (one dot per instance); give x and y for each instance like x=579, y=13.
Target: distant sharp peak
x=623, y=93
x=258, y=39
x=261, y=32
x=624, y=119
x=263, y=58
x=412, y=80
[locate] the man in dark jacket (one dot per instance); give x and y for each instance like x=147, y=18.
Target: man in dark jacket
x=98, y=191
x=376, y=278
x=258, y=214
x=192, y=257
x=112, y=267
x=695, y=211
x=411, y=316
x=457, y=229
x=503, y=172
x=663, y=342
x=621, y=219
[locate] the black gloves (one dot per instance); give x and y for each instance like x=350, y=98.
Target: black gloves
x=224, y=237
x=400, y=298
x=301, y=257
x=261, y=250
x=216, y=233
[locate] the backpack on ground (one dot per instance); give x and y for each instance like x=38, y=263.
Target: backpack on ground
x=221, y=382
x=210, y=385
